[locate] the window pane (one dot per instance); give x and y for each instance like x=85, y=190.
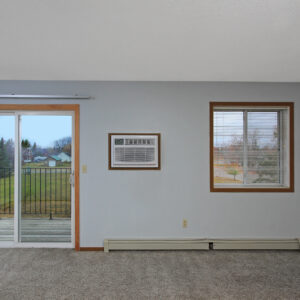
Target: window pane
x=7, y=178
x=228, y=147
x=263, y=148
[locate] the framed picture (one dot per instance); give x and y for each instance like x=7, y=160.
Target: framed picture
x=134, y=151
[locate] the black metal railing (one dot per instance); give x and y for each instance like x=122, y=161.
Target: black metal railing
x=44, y=191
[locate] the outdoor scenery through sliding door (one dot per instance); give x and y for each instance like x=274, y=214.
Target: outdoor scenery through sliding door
x=36, y=176
x=46, y=157
x=7, y=175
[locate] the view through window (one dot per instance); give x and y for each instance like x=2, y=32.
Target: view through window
x=251, y=147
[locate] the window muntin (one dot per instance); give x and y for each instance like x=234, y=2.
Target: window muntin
x=250, y=147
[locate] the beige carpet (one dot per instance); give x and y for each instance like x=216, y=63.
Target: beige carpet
x=66, y=274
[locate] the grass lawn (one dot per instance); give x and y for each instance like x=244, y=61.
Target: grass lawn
x=45, y=165
x=226, y=180
x=42, y=192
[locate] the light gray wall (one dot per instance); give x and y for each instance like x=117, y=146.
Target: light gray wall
x=152, y=204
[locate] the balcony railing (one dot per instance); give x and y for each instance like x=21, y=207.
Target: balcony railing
x=45, y=192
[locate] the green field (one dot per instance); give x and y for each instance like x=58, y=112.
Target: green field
x=43, y=192
x=45, y=165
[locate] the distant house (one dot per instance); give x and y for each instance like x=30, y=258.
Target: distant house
x=53, y=160
x=27, y=154
x=39, y=158
x=64, y=157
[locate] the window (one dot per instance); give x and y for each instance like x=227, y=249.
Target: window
x=251, y=147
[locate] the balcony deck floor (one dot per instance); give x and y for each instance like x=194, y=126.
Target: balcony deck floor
x=37, y=230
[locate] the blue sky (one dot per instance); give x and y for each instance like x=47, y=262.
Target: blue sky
x=43, y=130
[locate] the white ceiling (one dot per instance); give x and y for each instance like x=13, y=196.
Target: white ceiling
x=190, y=40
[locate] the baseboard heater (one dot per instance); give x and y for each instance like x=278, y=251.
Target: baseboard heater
x=182, y=244
x=201, y=244
x=256, y=244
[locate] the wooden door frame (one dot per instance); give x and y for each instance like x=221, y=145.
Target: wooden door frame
x=59, y=107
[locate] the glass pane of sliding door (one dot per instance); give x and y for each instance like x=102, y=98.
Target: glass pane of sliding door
x=45, y=189
x=7, y=148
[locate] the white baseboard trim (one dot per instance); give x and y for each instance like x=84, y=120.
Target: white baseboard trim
x=201, y=244
x=182, y=244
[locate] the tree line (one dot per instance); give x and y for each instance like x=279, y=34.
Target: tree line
x=30, y=150
x=262, y=157
x=6, y=154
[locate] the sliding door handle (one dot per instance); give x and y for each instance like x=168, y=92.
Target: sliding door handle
x=72, y=179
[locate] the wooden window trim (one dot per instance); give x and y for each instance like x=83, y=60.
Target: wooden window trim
x=59, y=107
x=290, y=105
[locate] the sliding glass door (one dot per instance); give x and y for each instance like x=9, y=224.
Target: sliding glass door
x=7, y=175
x=36, y=173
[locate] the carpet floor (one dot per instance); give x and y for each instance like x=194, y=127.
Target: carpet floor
x=66, y=274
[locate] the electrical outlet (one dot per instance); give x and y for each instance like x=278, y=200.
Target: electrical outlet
x=184, y=223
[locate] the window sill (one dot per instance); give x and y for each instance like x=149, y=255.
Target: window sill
x=253, y=189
